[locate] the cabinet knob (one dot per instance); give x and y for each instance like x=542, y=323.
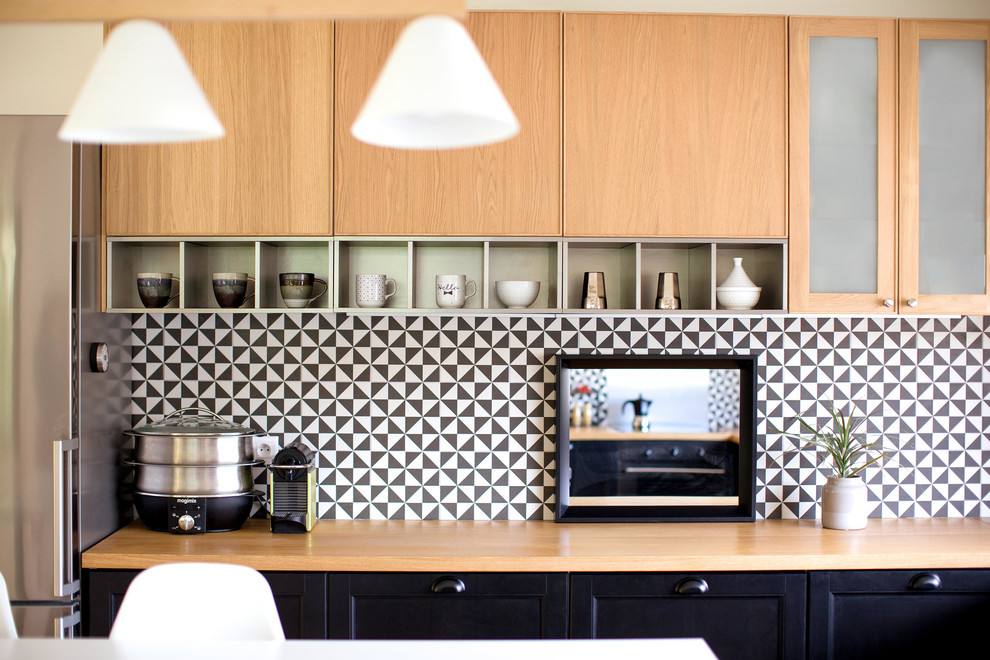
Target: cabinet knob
x=912, y=302
x=925, y=582
x=888, y=302
x=691, y=586
x=448, y=585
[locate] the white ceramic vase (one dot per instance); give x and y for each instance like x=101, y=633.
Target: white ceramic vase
x=737, y=278
x=737, y=291
x=844, y=503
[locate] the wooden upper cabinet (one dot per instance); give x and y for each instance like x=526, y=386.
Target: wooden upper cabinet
x=510, y=188
x=271, y=86
x=675, y=125
x=843, y=165
x=943, y=141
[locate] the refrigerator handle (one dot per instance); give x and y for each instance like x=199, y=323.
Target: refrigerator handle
x=68, y=626
x=65, y=579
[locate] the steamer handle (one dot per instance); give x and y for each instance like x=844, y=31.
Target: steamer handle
x=202, y=410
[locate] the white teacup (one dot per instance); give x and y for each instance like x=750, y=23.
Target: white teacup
x=452, y=291
x=372, y=290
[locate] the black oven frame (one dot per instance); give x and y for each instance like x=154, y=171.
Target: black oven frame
x=744, y=511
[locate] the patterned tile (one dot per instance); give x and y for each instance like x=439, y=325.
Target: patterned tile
x=433, y=417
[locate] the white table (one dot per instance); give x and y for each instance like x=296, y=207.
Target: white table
x=570, y=649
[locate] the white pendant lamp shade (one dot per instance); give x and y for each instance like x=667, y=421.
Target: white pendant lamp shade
x=435, y=92
x=140, y=91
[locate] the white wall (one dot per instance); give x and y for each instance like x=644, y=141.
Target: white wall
x=896, y=8
x=43, y=65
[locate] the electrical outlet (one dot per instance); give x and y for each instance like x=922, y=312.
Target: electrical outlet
x=265, y=447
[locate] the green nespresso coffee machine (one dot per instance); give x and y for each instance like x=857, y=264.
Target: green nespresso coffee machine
x=292, y=490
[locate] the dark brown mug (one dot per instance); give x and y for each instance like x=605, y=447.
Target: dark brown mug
x=155, y=289
x=297, y=288
x=230, y=289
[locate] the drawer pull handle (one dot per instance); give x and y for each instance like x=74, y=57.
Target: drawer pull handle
x=691, y=586
x=925, y=582
x=448, y=585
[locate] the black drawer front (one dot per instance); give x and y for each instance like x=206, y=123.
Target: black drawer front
x=448, y=606
x=299, y=597
x=899, y=614
x=740, y=615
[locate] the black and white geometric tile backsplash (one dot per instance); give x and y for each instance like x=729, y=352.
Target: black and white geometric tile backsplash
x=453, y=417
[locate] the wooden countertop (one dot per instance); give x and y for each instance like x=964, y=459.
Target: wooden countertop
x=433, y=546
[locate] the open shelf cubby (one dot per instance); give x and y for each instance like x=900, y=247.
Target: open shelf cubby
x=531, y=260
x=764, y=265
x=295, y=256
x=125, y=260
x=692, y=262
x=631, y=269
x=373, y=257
x=616, y=261
x=202, y=259
x=445, y=257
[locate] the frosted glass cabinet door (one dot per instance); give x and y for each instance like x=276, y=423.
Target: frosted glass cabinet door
x=843, y=174
x=943, y=254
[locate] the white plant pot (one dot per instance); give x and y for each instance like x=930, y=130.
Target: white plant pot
x=844, y=503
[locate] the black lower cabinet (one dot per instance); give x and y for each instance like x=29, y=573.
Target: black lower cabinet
x=102, y=591
x=740, y=615
x=899, y=614
x=447, y=605
x=822, y=615
x=299, y=597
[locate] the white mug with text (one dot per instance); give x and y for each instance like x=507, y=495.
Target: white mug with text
x=452, y=291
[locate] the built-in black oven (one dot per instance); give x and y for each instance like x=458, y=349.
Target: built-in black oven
x=655, y=438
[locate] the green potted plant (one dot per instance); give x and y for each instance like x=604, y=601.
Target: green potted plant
x=844, y=497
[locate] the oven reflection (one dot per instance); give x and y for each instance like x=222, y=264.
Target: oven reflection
x=654, y=436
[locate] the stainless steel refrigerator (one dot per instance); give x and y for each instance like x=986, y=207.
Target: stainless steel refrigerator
x=60, y=418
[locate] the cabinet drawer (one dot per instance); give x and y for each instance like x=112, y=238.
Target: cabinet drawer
x=898, y=614
x=299, y=597
x=740, y=615
x=447, y=606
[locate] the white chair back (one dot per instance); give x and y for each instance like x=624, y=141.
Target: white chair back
x=7, y=629
x=198, y=602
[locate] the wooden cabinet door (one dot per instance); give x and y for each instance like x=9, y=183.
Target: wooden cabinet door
x=943, y=167
x=448, y=606
x=511, y=188
x=860, y=615
x=739, y=615
x=271, y=86
x=675, y=125
x=843, y=165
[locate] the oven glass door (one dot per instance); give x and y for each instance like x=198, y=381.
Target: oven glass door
x=655, y=472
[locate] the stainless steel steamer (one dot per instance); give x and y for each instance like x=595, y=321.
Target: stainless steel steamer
x=193, y=436
x=192, y=472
